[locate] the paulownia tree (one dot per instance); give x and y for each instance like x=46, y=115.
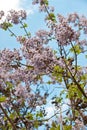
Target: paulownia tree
x=23, y=90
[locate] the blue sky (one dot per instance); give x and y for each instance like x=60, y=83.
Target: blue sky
x=35, y=20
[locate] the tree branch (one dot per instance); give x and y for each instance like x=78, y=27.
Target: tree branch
x=11, y=122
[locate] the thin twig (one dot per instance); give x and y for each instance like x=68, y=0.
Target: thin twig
x=11, y=122
x=12, y=33
x=24, y=29
x=75, y=58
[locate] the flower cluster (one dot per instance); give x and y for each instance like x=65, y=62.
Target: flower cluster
x=41, y=58
x=16, y=16
x=64, y=33
x=8, y=58
x=44, y=36
x=44, y=6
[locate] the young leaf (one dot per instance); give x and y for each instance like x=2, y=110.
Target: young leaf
x=2, y=99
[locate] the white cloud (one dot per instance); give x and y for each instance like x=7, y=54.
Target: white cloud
x=7, y=5
x=50, y=111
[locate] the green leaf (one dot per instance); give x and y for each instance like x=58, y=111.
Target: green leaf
x=24, y=26
x=58, y=99
x=77, y=49
x=12, y=35
x=29, y=116
x=44, y=2
x=36, y=124
x=39, y=114
x=49, y=82
x=52, y=17
x=8, y=89
x=2, y=99
x=72, y=90
x=23, y=128
x=67, y=127
x=13, y=115
x=53, y=124
x=30, y=67
x=58, y=127
x=10, y=126
x=28, y=34
x=57, y=73
x=84, y=77
x=55, y=128
x=6, y=25
x=9, y=84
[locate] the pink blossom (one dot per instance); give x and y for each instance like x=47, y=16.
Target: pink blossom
x=64, y=34
x=73, y=17
x=1, y=14
x=83, y=21
x=15, y=16
x=21, y=91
